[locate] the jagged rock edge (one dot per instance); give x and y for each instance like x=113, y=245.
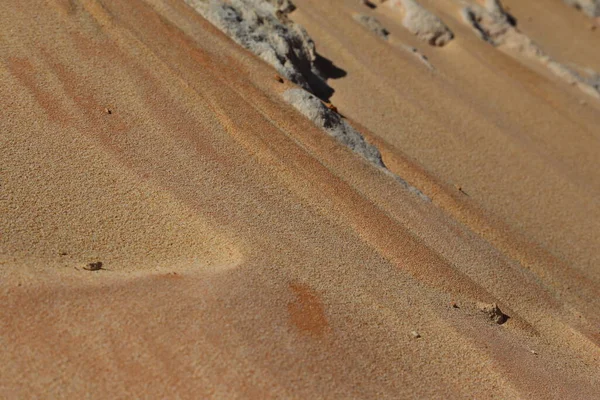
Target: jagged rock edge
x=273, y=13
x=492, y=24
x=337, y=127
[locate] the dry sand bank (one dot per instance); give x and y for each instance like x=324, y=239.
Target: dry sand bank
x=248, y=254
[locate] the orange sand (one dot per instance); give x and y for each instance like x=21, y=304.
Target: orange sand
x=249, y=255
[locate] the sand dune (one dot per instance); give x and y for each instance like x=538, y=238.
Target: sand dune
x=427, y=232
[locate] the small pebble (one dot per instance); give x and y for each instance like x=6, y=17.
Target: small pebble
x=108, y=111
x=278, y=78
x=493, y=312
x=415, y=334
x=331, y=107
x=533, y=352
x=94, y=266
x=460, y=189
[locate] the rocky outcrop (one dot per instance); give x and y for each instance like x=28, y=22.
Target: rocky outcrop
x=491, y=23
x=263, y=27
x=589, y=7
x=335, y=126
x=372, y=24
x=332, y=123
x=493, y=312
x=494, y=25
x=422, y=23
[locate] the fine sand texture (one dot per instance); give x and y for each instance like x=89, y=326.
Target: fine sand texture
x=251, y=199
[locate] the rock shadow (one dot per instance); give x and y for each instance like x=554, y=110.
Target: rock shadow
x=326, y=70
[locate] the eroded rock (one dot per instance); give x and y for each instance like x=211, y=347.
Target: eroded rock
x=423, y=23
x=589, y=7
x=494, y=25
x=372, y=24
x=263, y=27
x=332, y=123
x=490, y=22
x=493, y=312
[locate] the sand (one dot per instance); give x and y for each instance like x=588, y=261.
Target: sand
x=247, y=253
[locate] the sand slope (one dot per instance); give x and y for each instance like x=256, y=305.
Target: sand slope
x=249, y=255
